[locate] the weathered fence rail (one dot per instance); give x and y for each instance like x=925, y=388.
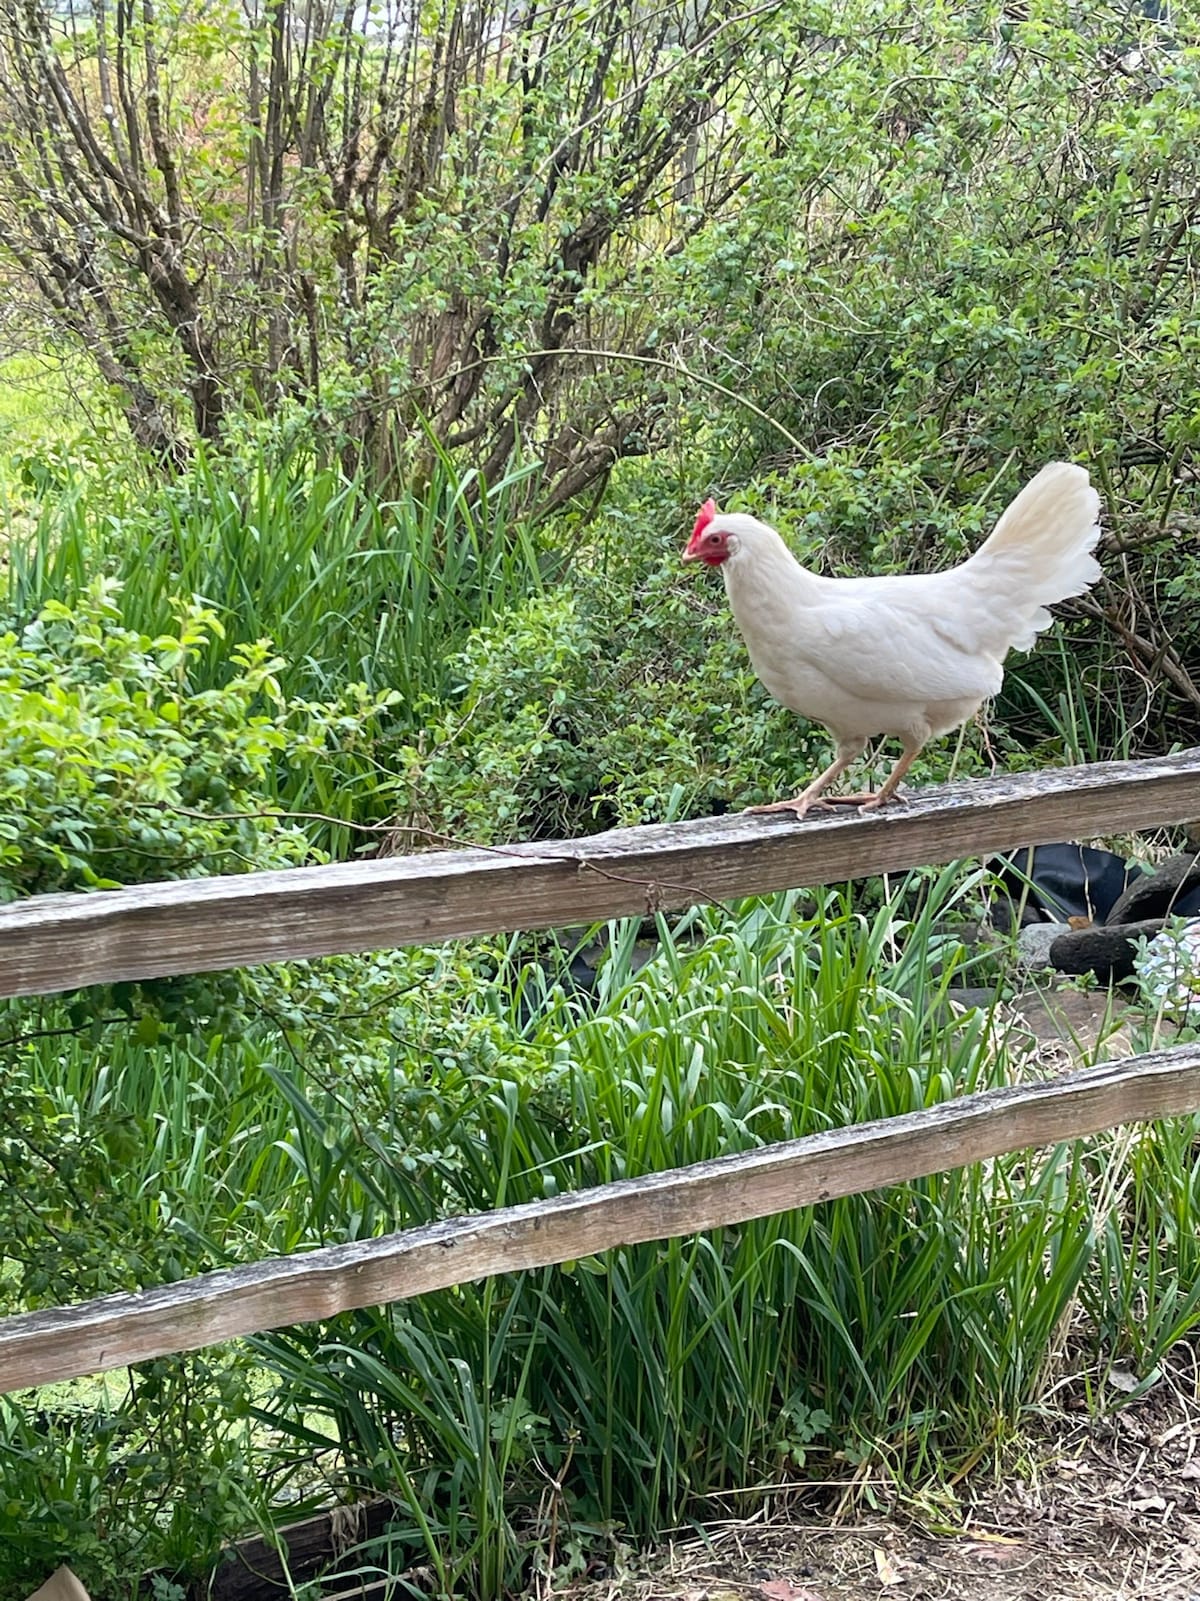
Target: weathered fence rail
x=66, y=941
x=118, y=1329
x=59, y=942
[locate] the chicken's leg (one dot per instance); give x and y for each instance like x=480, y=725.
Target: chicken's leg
x=874, y=799
x=848, y=752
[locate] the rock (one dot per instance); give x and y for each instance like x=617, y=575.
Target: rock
x=1172, y=890
x=1033, y=945
x=1044, y=1017
x=1080, y=1019
x=1106, y=951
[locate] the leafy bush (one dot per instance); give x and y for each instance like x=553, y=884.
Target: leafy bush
x=115, y=769
x=107, y=751
x=95, y=1483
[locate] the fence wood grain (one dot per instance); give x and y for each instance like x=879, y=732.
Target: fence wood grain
x=59, y=942
x=41, y=1347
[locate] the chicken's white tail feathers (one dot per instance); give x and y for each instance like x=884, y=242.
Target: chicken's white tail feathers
x=1040, y=551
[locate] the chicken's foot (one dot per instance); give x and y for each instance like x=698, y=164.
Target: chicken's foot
x=867, y=802
x=801, y=804
x=847, y=753
x=874, y=799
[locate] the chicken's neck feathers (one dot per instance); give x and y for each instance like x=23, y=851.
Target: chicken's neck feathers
x=762, y=570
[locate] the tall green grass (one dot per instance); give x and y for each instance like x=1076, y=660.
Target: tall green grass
x=1085, y=711
x=350, y=588
x=626, y=1391
x=535, y=1414
x=203, y=1134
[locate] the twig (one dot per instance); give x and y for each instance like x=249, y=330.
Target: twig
x=58, y=1033
x=639, y=359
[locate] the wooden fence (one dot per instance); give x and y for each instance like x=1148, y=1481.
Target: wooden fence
x=61, y=942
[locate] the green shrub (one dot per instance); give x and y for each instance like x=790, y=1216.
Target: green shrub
x=607, y=704
x=94, y=1482
x=115, y=769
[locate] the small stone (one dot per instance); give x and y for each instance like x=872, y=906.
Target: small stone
x=1033, y=945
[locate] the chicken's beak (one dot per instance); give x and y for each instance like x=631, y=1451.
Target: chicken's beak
x=691, y=551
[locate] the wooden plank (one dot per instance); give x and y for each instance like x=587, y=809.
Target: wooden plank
x=58, y=942
x=42, y=1347
x=295, y=1553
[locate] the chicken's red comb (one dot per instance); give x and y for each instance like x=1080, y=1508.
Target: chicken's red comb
x=707, y=512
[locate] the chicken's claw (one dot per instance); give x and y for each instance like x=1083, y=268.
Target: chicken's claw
x=870, y=802
x=799, y=806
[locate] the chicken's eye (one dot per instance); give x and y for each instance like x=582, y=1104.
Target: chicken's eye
x=714, y=539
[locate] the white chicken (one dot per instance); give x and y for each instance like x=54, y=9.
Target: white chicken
x=911, y=655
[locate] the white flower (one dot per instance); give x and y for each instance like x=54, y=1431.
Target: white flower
x=1168, y=967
